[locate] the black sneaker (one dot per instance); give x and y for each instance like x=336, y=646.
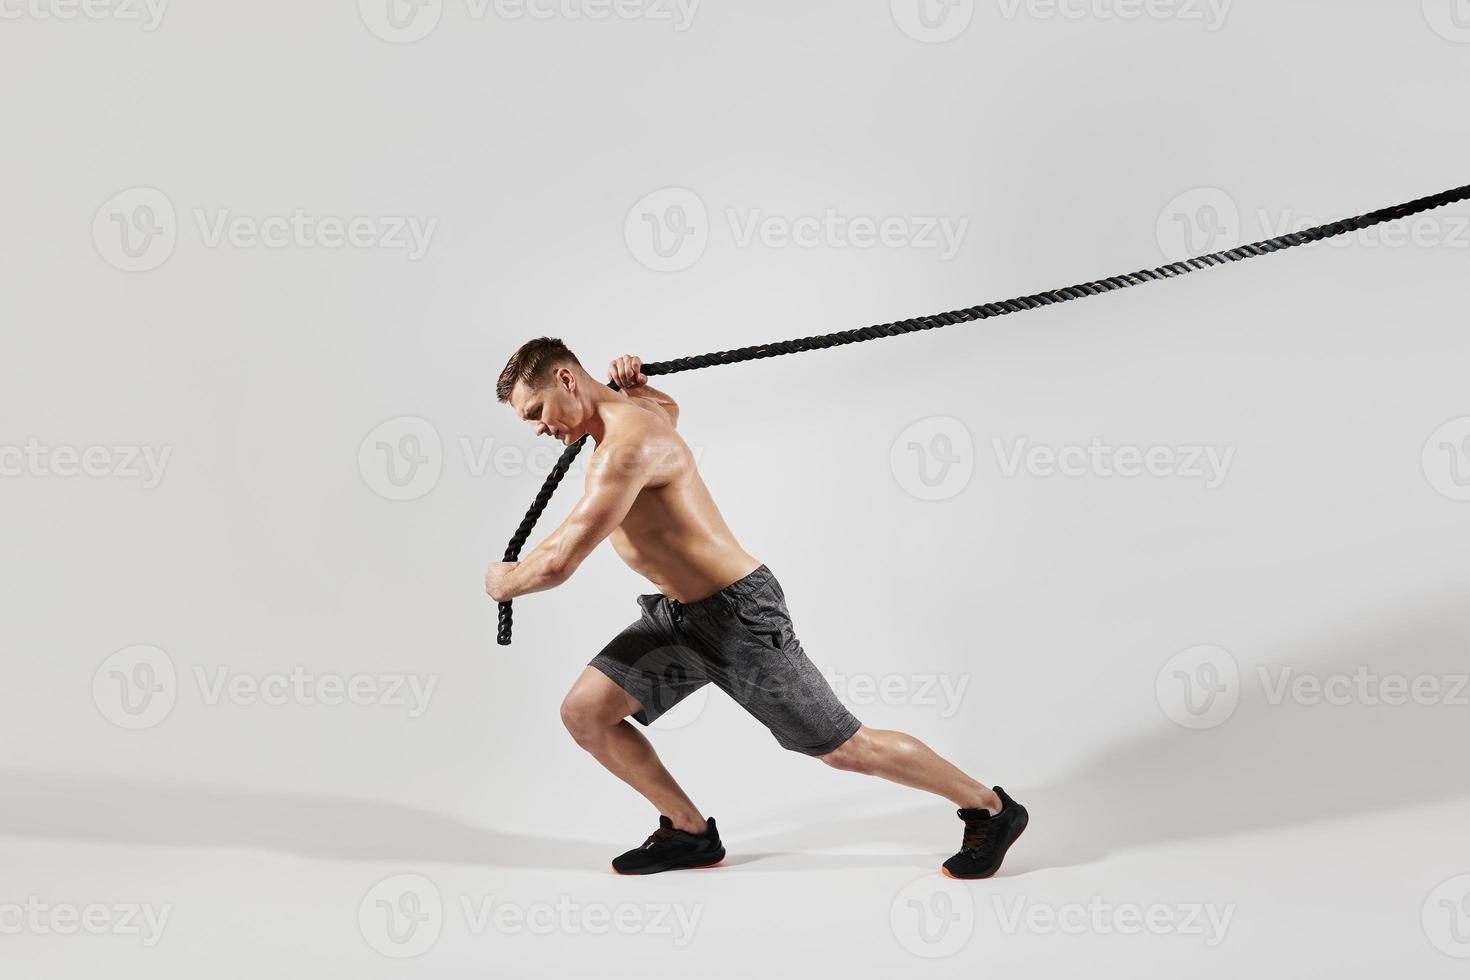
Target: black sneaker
x=987, y=838
x=668, y=849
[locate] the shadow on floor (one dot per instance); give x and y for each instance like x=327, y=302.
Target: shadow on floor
x=1268, y=766
x=1274, y=765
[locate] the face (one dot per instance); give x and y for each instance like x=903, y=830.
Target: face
x=553, y=409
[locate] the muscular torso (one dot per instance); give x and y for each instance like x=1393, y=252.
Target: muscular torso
x=674, y=534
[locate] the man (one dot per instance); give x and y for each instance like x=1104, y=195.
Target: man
x=719, y=616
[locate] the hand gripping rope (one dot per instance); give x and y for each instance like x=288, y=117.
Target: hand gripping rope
x=984, y=312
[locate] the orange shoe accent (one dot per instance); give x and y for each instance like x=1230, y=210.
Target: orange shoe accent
x=992, y=874
x=693, y=867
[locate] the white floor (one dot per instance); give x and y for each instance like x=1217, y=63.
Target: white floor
x=851, y=893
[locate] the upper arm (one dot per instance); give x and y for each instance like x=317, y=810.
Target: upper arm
x=613, y=484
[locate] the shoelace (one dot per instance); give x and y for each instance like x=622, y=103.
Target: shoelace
x=976, y=834
x=658, y=837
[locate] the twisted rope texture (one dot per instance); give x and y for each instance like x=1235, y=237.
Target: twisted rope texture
x=983, y=312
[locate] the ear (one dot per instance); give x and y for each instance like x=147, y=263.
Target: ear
x=567, y=380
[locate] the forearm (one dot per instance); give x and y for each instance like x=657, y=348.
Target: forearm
x=545, y=568
x=610, y=493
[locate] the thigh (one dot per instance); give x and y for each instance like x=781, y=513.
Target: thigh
x=594, y=694
x=754, y=656
x=650, y=662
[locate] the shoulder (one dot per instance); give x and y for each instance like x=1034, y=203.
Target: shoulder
x=639, y=441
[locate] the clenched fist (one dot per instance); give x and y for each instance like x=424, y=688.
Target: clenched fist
x=627, y=371
x=495, y=580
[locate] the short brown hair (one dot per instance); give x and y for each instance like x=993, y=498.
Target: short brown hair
x=532, y=364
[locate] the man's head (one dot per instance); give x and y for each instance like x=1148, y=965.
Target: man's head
x=545, y=384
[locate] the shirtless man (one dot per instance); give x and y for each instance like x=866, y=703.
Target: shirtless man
x=719, y=616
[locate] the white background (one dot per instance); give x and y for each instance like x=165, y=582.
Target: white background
x=1072, y=146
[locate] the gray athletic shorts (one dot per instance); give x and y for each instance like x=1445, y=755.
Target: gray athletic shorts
x=741, y=639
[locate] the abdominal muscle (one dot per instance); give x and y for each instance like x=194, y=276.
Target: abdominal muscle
x=675, y=537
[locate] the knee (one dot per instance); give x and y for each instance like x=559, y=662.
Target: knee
x=585, y=718
x=854, y=755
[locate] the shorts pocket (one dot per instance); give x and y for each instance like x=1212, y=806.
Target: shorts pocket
x=762, y=617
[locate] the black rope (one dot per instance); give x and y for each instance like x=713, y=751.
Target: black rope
x=983, y=312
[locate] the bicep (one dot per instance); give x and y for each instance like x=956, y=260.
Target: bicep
x=611, y=491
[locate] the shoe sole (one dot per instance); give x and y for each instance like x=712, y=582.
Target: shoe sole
x=992, y=874
x=672, y=867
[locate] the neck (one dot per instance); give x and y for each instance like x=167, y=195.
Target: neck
x=601, y=398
